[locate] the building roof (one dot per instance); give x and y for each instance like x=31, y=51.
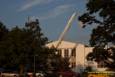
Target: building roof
x=64, y=44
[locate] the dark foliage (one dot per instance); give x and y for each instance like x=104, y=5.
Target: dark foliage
x=102, y=14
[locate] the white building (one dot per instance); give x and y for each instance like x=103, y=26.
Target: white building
x=76, y=52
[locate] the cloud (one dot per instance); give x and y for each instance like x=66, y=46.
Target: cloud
x=32, y=3
x=57, y=11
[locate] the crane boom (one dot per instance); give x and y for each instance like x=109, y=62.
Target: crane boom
x=66, y=29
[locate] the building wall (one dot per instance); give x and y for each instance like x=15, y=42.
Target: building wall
x=80, y=54
x=75, y=51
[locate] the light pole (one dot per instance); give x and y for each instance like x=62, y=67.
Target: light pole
x=84, y=59
x=35, y=65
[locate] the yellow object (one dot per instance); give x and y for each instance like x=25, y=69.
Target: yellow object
x=101, y=74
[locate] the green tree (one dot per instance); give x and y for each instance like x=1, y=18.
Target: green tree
x=38, y=42
x=3, y=33
x=3, y=30
x=24, y=49
x=55, y=63
x=15, y=47
x=102, y=14
x=19, y=47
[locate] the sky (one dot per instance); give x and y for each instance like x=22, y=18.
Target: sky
x=52, y=14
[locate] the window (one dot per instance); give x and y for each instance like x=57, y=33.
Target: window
x=73, y=65
x=59, y=52
x=73, y=53
x=66, y=53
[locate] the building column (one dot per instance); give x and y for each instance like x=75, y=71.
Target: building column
x=69, y=50
x=62, y=52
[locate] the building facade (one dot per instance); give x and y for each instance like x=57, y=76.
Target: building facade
x=76, y=52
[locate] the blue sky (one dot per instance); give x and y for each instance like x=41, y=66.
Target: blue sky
x=52, y=14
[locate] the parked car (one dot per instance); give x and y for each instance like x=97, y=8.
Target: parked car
x=38, y=74
x=68, y=74
x=6, y=74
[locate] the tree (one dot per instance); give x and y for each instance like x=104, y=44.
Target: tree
x=24, y=49
x=3, y=30
x=15, y=47
x=102, y=14
x=55, y=63
x=19, y=47
x=3, y=33
x=38, y=42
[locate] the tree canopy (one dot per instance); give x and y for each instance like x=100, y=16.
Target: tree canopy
x=101, y=13
x=20, y=45
x=23, y=49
